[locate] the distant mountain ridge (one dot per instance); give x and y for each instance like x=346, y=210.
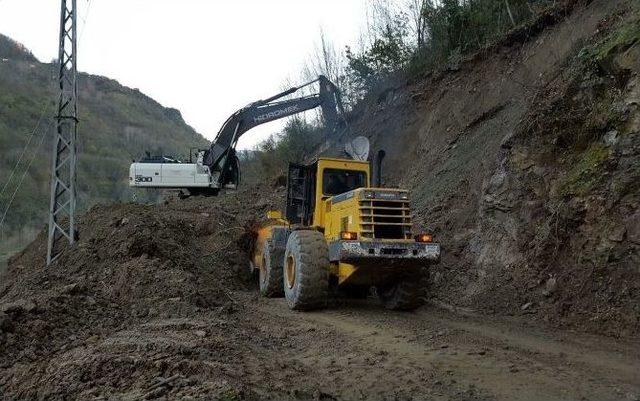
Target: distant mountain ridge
x=116, y=124
x=10, y=49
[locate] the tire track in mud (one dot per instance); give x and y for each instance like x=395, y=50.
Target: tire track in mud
x=619, y=359
x=469, y=358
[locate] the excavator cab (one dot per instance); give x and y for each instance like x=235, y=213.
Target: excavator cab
x=230, y=176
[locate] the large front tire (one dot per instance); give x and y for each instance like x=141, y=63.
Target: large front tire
x=306, y=274
x=271, y=273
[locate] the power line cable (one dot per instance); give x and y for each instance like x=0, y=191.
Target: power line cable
x=33, y=157
x=84, y=20
x=26, y=146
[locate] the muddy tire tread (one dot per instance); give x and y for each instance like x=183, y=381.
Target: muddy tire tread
x=311, y=289
x=272, y=287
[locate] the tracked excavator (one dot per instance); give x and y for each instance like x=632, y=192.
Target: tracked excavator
x=218, y=167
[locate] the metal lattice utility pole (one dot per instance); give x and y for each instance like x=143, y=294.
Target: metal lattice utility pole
x=63, y=174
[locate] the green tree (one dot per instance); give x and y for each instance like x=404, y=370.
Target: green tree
x=387, y=53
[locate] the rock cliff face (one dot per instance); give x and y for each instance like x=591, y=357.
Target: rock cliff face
x=523, y=160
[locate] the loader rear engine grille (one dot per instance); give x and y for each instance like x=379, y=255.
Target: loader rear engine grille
x=385, y=219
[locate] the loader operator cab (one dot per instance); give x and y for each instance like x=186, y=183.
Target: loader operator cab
x=310, y=185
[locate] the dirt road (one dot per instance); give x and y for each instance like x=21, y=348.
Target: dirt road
x=358, y=350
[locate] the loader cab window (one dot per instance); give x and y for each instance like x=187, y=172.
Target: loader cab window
x=335, y=182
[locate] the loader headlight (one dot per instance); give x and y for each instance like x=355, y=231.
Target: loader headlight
x=424, y=238
x=368, y=195
x=348, y=235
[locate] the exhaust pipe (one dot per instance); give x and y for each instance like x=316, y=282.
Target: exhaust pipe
x=378, y=169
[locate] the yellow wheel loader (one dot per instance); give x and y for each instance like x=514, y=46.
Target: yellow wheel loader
x=339, y=233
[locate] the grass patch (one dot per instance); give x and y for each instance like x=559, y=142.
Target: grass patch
x=231, y=395
x=603, y=116
x=586, y=172
x=616, y=42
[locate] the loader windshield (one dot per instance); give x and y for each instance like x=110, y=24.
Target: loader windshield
x=335, y=182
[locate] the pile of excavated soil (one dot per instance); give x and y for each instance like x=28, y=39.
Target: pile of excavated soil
x=133, y=264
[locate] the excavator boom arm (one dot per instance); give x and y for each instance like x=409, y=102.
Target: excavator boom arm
x=271, y=109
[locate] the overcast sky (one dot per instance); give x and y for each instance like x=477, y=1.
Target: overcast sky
x=206, y=58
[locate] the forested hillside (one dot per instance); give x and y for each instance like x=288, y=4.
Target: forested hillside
x=116, y=124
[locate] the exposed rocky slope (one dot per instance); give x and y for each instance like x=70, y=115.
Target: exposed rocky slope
x=523, y=159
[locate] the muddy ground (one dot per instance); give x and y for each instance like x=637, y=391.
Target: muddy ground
x=155, y=302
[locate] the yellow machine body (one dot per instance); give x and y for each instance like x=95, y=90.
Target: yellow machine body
x=368, y=230
x=264, y=234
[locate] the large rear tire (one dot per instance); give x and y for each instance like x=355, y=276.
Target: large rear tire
x=270, y=276
x=404, y=294
x=306, y=274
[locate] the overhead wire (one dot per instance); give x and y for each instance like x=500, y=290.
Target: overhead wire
x=35, y=154
x=84, y=20
x=24, y=149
